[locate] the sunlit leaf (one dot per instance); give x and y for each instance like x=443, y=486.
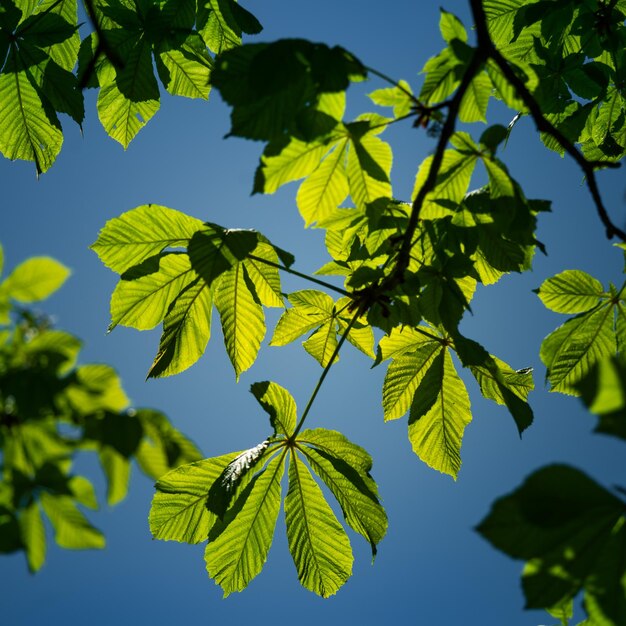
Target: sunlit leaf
x=145, y=231
x=34, y=536
x=243, y=322
x=318, y=543
x=572, y=349
x=279, y=404
x=344, y=467
x=238, y=544
x=571, y=291
x=179, y=508
x=440, y=411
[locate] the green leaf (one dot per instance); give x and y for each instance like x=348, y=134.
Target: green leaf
x=179, y=509
x=140, y=233
x=404, y=377
x=452, y=182
x=130, y=97
x=96, y=387
x=224, y=24
x=143, y=302
x=35, y=279
x=325, y=188
x=344, y=467
x=243, y=322
x=571, y=350
x=368, y=169
x=279, y=405
x=275, y=88
x=72, y=530
x=398, y=97
x=186, y=331
x=441, y=77
x=33, y=536
x=571, y=291
x=314, y=309
x=238, y=545
x=30, y=129
x=569, y=528
x=281, y=164
x=451, y=27
x=439, y=414
x=318, y=543
x=603, y=390
x=83, y=491
x=404, y=339
x=498, y=381
x=262, y=270
x=186, y=70
x=476, y=98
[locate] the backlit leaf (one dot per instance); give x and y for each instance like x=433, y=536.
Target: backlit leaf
x=145, y=231
x=344, y=467
x=571, y=350
x=179, y=507
x=243, y=322
x=439, y=414
x=279, y=404
x=318, y=543
x=571, y=291
x=238, y=544
x=33, y=535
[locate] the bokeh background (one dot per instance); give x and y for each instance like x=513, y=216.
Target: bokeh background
x=432, y=568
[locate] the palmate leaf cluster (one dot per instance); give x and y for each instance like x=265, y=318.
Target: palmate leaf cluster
x=51, y=409
x=44, y=64
x=234, y=500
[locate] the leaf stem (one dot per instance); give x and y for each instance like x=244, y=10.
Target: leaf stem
x=307, y=408
x=322, y=283
x=395, y=83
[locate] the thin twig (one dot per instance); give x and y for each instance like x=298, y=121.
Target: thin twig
x=395, y=83
x=324, y=373
x=102, y=47
x=543, y=125
x=283, y=268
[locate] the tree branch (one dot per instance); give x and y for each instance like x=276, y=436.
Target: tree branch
x=447, y=131
x=543, y=125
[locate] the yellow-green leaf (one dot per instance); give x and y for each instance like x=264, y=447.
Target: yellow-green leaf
x=140, y=233
x=243, y=322
x=238, y=545
x=439, y=414
x=318, y=543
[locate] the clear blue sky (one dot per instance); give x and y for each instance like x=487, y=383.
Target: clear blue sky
x=432, y=568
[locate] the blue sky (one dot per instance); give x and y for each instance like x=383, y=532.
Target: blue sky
x=432, y=568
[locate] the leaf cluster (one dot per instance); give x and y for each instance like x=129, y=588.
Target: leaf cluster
x=44, y=64
x=52, y=409
x=232, y=502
